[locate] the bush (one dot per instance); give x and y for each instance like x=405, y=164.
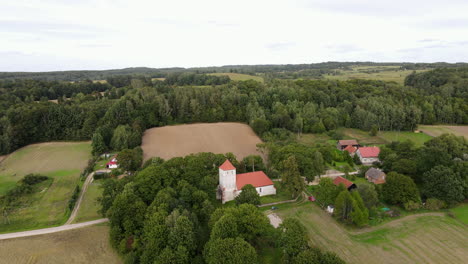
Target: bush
x=411, y=205
x=434, y=204
x=98, y=176
x=72, y=201
x=32, y=179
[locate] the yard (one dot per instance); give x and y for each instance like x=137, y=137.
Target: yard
x=62, y=161
x=90, y=206
x=424, y=238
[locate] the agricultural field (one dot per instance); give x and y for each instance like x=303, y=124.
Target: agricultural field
x=363, y=137
x=439, y=130
x=182, y=140
x=90, y=206
x=82, y=245
x=429, y=238
x=239, y=76
x=382, y=73
x=62, y=161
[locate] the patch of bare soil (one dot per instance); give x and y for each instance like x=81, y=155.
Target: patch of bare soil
x=181, y=140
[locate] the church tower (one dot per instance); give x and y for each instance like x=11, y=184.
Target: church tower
x=227, y=181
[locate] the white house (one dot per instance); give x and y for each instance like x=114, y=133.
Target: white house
x=230, y=183
x=112, y=164
x=368, y=155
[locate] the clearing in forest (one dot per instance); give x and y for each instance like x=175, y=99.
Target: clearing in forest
x=82, y=245
x=62, y=161
x=182, y=140
x=430, y=238
x=239, y=76
x=439, y=130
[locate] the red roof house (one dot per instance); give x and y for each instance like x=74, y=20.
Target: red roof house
x=342, y=144
x=348, y=184
x=351, y=150
x=369, y=152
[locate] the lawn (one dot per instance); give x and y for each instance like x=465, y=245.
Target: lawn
x=82, y=245
x=239, y=76
x=439, y=130
x=418, y=138
x=461, y=213
x=90, y=206
x=415, y=239
x=61, y=161
x=281, y=195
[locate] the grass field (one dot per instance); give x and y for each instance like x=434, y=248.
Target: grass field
x=63, y=161
x=181, y=140
x=83, y=245
x=363, y=137
x=439, y=130
x=413, y=239
x=461, y=213
x=90, y=206
x=239, y=76
x=383, y=73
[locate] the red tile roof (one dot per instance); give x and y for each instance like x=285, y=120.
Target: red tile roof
x=340, y=179
x=350, y=149
x=347, y=142
x=227, y=165
x=256, y=178
x=369, y=152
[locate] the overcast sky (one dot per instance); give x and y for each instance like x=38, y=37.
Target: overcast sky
x=51, y=35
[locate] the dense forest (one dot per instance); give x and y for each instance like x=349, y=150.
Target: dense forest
x=301, y=106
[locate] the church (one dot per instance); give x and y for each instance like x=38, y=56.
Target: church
x=230, y=183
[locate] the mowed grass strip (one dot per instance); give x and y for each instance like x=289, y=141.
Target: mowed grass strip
x=441, y=129
x=90, y=206
x=82, y=245
x=416, y=239
x=62, y=161
x=239, y=76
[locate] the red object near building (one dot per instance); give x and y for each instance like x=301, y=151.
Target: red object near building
x=311, y=198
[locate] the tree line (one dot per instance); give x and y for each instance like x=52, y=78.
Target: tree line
x=301, y=106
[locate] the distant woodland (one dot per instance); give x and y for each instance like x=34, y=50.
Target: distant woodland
x=136, y=102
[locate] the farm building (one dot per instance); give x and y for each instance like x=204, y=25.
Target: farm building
x=342, y=144
x=351, y=150
x=230, y=183
x=112, y=164
x=348, y=184
x=368, y=155
x=376, y=176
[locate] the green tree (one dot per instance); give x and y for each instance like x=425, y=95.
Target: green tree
x=318, y=166
x=343, y=205
x=326, y=192
x=229, y=251
x=293, y=239
x=444, y=184
x=291, y=178
x=360, y=214
x=399, y=189
x=98, y=144
x=369, y=195
x=225, y=227
x=248, y=195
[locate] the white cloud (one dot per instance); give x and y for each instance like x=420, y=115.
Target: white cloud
x=63, y=35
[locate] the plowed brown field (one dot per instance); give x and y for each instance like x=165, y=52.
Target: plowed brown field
x=181, y=140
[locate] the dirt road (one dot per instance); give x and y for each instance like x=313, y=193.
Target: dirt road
x=51, y=229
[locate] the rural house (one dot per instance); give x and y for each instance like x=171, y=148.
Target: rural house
x=376, y=176
x=351, y=150
x=112, y=164
x=368, y=155
x=342, y=144
x=348, y=184
x=230, y=183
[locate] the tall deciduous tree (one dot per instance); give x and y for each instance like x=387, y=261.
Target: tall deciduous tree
x=229, y=251
x=399, y=189
x=248, y=195
x=291, y=178
x=444, y=184
x=98, y=144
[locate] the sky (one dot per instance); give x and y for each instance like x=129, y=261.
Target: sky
x=53, y=35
